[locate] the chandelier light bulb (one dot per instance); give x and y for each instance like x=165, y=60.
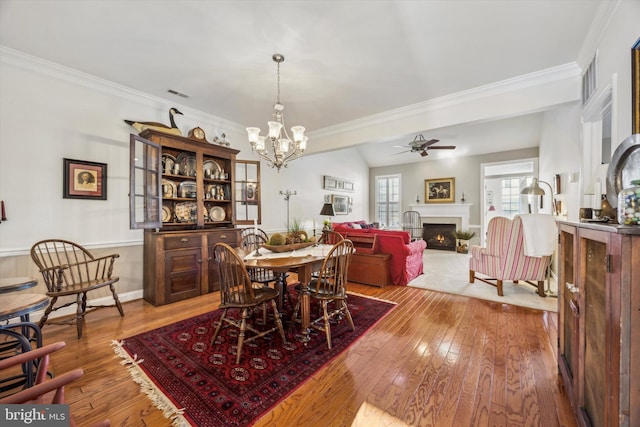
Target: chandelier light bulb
x=253, y=134
x=298, y=133
x=274, y=130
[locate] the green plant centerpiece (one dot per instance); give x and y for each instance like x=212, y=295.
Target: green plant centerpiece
x=462, y=240
x=464, y=234
x=295, y=233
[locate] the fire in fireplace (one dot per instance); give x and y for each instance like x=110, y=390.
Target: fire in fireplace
x=439, y=236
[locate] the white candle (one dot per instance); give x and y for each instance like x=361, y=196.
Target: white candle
x=255, y=226
x=314, y=225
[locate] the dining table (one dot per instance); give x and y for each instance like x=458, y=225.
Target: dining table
x=304, y=261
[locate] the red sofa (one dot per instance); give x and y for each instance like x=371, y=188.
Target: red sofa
x=406, y=262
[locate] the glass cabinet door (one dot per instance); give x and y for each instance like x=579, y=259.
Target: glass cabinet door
x=145, y=201
x=247, y=189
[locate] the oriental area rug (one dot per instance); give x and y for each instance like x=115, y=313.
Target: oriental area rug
x=196, y=383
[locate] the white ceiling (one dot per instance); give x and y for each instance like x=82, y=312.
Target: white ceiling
x=344, y=60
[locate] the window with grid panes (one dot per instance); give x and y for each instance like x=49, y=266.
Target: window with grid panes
x=388, y=201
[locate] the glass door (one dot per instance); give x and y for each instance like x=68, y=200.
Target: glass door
x=145, y=201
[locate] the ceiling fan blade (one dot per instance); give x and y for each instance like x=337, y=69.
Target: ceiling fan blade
x=442, y=147
x=430, y=143
x=402, y=146
x=406, y=151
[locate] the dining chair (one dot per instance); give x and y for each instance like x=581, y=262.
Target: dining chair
x=330, y=286
x=250, y=241
x=45, y=390
x=237, y=292
x=69, y=269
x=330, y=237
x=248, y=232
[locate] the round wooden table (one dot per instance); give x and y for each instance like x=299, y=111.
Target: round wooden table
x=14, y=284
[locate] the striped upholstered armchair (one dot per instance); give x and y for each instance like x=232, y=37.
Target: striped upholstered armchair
x=504, y=257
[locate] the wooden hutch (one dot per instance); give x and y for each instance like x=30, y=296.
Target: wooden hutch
x=182, y=194
x=599, y=322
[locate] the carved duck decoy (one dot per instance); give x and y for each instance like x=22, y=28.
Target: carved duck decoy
x=160, y=127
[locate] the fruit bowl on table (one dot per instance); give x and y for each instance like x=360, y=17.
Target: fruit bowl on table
x=287, y=248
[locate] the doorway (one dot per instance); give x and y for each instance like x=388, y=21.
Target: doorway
x=502, y=183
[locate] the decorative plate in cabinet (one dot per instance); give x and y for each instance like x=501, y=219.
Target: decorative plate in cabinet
x=168, y=189
x=187, y=162
x=186, y=211
x=216, y=213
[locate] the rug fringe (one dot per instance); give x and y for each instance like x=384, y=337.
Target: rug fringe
x=370, y=297
x=159, y=400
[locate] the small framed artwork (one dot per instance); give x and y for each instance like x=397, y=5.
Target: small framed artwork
x=84, y=180
x=250, y=193
x=440, y=190
x=329, y=183
x=340, y=204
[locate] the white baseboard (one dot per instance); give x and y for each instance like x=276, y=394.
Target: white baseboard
x=71, y=310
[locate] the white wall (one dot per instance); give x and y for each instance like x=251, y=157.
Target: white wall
x=50, y=113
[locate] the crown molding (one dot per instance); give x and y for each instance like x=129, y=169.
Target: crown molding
x=54, y=70
x=555, y=74
x=596, y=32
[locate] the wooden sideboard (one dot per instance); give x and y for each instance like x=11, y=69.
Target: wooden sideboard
x=599, y=322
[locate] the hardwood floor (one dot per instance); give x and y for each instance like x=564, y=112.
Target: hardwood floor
x=436, y=360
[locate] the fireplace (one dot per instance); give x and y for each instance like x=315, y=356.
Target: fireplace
x=439, y=236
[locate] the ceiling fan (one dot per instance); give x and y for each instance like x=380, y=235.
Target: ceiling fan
x=421, y=145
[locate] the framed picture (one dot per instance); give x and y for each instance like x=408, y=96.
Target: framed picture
x=250, y=193
x=331, y=183
x=340, y=204
x=440, y=190
x=84, y=180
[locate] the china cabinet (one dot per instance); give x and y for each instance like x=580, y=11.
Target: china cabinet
x=181, y=193
x=599, y=322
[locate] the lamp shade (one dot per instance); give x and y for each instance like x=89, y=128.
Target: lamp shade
x=327, y=209
x=533, y=189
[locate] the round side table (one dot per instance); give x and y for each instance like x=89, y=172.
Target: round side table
x=14, y=284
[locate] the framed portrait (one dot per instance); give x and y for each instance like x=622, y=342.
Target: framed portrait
x=340, y=204
x=84, y=180
x=250, y=193
x=440, y=190
x=329, y=183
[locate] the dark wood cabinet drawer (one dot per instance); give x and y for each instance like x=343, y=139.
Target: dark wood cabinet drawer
x=183, y=241
x=230, y=237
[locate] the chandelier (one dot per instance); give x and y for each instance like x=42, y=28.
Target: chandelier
x=282, y=148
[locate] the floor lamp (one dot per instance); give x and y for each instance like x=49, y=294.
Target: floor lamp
x=534, y=189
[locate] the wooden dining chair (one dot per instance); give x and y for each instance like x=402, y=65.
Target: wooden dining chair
x=237, y=292
x=45, y=390
x=250, y=241
x=330, y=286
x=69, y=269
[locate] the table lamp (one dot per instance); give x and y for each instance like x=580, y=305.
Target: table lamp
x=327, y=210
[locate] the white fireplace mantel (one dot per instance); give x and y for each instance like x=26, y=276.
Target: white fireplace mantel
x=445, y=210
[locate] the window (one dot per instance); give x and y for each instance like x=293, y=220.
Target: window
x=510, y=195
x=388, y=200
